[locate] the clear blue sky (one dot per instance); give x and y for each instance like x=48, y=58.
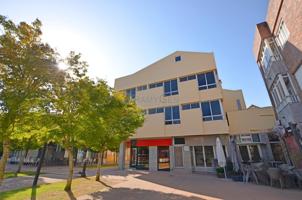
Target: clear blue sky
x=119, y=37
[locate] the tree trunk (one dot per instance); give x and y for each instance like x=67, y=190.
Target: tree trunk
x=41, y=160
x=83, y=173
x=98, y=169
x=4, y=159
x=20, y=164
x=70, y=165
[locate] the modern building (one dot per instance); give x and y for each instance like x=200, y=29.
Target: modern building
x=278, y=52
x=186, y=109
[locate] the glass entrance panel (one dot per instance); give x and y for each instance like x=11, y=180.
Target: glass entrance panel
x=244, y=153
x=163, y=158
x=255, y=155
x=133, y=157
x=199, y=159
x=142, y=158
x=209, y=154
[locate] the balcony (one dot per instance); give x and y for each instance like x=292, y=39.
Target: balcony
x=275, y=66
x=291, y=99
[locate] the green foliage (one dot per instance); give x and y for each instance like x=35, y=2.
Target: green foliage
x=220, y=170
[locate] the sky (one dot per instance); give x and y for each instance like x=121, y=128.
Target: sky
x=119, y=37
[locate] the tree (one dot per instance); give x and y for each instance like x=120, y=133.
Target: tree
x=121, y=118
x=69, y=106
x=27, y=68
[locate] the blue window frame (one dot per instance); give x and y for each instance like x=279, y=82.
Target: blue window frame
x=190, y=106
x=172, y=115
x=131, y=93
x=206, y=81
x=143, y=87
x=211, y=110
x=155, y=85
x=177, y=58
x=170, y=87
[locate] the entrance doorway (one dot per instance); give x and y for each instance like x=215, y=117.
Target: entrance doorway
x=163, y=158
x=140, y=157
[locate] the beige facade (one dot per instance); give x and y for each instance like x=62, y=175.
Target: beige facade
x=182, y=97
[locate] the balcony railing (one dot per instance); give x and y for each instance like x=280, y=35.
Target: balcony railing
x=287, y=100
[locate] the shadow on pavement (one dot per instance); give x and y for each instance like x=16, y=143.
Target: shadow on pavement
x=130, y=194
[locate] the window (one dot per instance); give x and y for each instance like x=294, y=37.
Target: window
x=199, y=159
x=276, y=147
x=282, y=35
x=298, y=76
x=131, y=93
x=179, y=140
x=155, y=110
x=238, y=104
x=209, y=155
x=244, y=153
x=177, y=58
x=206, y=81
x=211, y=110
x=172, y=115
x=190, y=106
x=170, y=87
x=143, y=87
x=187, y=78
x=250, y=153
x=155, y=85
x=249, y=138
x=266, y=57
x=144, y=112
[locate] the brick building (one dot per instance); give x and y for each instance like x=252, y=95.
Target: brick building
x=278, y=52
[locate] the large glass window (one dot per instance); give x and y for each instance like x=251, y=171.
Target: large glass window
x=282, y=35
x=244, y=153
x=211, y=110
x=250, y=153
x=170, y=87
x=199, y=159
x=172, y=115
x=131, y=93
x=209, y=155
x=298, y=76
x=206, y=81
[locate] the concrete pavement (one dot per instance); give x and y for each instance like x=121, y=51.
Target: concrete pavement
x=132, y=184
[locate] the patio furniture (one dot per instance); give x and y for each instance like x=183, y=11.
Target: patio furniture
x=275, y=175
x=248, y=171
x=288, y=175
x=260, y=170
x=298, y=173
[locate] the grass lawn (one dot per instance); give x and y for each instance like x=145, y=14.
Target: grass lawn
x=12, y=174
x=55, y=191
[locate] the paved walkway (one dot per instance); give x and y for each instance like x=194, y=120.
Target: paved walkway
x=176, y=186
x=130, y=185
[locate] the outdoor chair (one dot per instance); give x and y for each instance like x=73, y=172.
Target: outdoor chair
x=298, y=173
x=288, y=175
x=260, y=170
x=275, y=175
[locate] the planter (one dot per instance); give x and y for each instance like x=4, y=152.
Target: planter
x=220, y=175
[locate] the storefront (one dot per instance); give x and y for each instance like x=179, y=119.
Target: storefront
x=150, y=154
